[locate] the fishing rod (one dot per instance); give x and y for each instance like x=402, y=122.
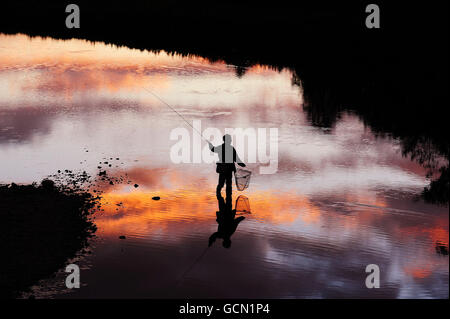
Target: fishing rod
x=201, y=135
x=246, y=173
x=173, y=109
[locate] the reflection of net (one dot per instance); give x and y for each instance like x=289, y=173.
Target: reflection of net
x=242, y=178
x=242, y=204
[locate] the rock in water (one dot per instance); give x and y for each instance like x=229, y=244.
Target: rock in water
x=122, y=237
x=156, y=198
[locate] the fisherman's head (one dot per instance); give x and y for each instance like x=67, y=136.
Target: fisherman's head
x=227, y=139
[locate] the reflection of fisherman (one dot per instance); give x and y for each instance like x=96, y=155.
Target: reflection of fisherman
x=225, y=165
x=227, y=224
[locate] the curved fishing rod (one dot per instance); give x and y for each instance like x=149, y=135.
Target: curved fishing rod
x=245, y=177
x=201, y=135
x=173, y=109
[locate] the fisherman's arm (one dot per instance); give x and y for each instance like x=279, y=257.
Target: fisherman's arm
x=238, y=159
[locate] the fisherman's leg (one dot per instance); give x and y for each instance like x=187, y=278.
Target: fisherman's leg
x=229, y=181
x=221, y=183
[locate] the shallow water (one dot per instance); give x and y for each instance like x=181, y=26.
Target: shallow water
x=340, y=200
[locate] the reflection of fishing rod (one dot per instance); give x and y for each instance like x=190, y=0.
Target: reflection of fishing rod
x=191, y=267
x=182, y=117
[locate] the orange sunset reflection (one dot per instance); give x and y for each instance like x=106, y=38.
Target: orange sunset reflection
x=136, y=211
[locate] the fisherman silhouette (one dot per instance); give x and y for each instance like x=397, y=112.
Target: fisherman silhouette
x=227, y=223
x=225, y=165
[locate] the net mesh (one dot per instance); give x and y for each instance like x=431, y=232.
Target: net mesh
x=242, y=204
x=242, y=178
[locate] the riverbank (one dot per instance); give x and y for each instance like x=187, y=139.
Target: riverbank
x=42, y=227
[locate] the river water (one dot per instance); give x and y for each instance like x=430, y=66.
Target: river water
x=339, y=199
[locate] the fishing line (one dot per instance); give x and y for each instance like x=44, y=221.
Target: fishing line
x=192, y=266
x=181, y=116
x=201, y=135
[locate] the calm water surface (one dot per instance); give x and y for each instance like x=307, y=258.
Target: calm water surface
x=340, y=200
